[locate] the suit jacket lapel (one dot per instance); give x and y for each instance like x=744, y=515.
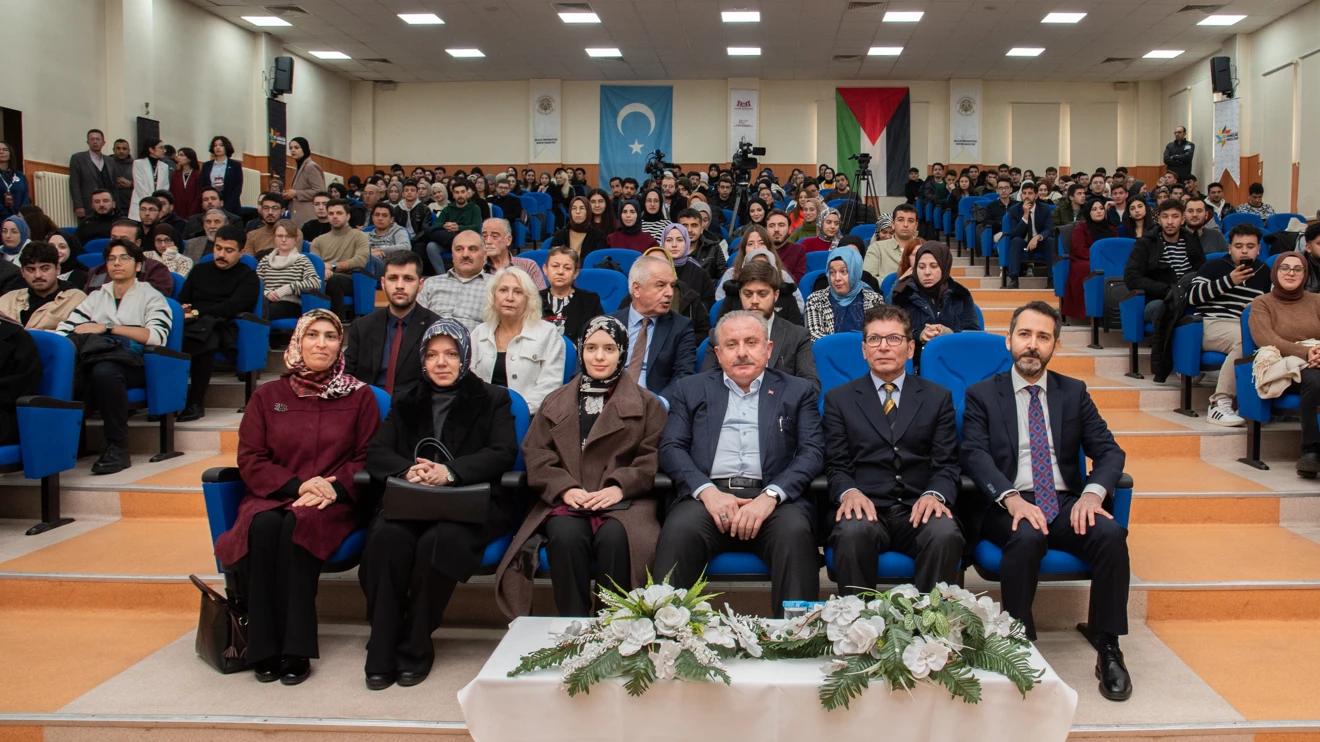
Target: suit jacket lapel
x=1055, y=397
x=909, y=403
x=872, y=410
x=717, y=404
x=776, y=337
x=768, y=419
x=658, y=337
x=412, y=338
x=1008, y=410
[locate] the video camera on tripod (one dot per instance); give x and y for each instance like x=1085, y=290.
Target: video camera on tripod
x=744, y=161
x=863, y=163
x=656, y=165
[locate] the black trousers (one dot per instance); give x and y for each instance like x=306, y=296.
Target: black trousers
x=337, y=287
x=278, y=580
x=570, y=546
x=936, y=545
x=106, y=389
x=1104, y=546
x=200, y=370
x=689, y=539
x=1310, y=404
x=406, y=595
x=283, y=310
x=1017, y=248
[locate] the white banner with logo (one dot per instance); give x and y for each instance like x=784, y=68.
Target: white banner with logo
x=965, y=121
x=742, y=117
x=545, y=101
x=1228, y=152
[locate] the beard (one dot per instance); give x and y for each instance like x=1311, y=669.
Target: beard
x=1030, y=362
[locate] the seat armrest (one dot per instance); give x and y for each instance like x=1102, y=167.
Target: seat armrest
x=48, y=432
x=167, y=379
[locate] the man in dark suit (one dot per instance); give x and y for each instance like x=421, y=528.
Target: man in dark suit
x=891, y=453
x=742, y=445
x=1023, y=432
x=1033, y=228
x=88, y=171
x=790, y=343
x=383, y=346
x=662, y=347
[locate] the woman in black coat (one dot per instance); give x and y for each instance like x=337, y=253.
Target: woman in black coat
x=562, y=304
x=410, y=568
x=578, y=233
x=937, y=304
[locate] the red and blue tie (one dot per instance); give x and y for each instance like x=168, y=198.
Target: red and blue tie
x=1042, y=466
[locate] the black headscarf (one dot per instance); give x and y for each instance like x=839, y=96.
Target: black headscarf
x=1097, y=229
x=659, y=216
x=306, y=148
x=594, y=393
x=442, y=397
x=944, y=258
x=637, y=223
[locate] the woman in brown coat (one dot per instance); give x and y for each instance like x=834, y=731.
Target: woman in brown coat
x=308, y=180
x=590, y=451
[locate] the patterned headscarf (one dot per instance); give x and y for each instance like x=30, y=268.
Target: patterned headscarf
x=685, y=258
x=331, y=383
x=883, y=222
x=593, y=393
x=820, y=226
x=454, y=329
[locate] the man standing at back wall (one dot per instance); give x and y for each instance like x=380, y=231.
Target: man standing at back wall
x=1178, y=154
x=88, y=171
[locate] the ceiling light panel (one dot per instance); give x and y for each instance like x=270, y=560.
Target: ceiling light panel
x=329, y=55
x=741, y=16
x=885, y=51
x=266, y=21
x=1063, y=18
x=903, y=16
x=744, y=51
x=421, y=19
x=1162, y=54
x=1025, y=51
x=579, y=18
x=604, y=52
x=1221, y=20
x=465, y=53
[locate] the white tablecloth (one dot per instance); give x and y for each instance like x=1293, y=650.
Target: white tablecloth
x=766, y=701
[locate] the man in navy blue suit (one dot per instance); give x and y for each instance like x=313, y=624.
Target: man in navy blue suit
x=662, y=347
x=742, y=445
x=1033, y=229
x=1024, y=432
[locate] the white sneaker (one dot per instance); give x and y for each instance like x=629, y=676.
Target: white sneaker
x=1221, y=413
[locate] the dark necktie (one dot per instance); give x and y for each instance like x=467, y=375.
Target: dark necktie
x=639, y=353
x=1042, y=464
x=395, y=344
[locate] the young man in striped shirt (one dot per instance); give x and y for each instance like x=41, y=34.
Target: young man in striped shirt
x=1221, y=290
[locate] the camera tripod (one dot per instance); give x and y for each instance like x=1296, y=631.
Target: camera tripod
x=863, y=187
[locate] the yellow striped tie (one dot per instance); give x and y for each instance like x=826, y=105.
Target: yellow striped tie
x=889, y=397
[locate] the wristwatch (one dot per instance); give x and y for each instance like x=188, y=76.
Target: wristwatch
x=772, y=494
x=449, y=475
x=109, y=326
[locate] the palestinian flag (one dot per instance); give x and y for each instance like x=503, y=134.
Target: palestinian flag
x=877, y=121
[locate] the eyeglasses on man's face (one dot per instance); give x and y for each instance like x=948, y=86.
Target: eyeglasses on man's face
x=875, y=341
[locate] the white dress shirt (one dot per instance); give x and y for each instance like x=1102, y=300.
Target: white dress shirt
x=1022, y=397
x=738, y=451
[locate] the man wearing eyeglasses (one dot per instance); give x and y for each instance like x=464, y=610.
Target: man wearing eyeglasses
x=891, y=454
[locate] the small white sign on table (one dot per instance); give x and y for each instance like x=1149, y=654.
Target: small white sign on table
x=767, y=701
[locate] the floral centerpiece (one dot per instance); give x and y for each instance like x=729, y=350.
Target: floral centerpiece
x=653, y=633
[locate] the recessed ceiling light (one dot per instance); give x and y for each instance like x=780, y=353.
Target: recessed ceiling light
x=1221, y=20
x=266, y=20
x=1025, y=51
x=421, y=19
x=1162, y=54
x=604, y=52
x=579, y=18
x=741, y=16
x=885, y=51
x=329, y=55
x=1063, y=18
x=465, y=53
x=744, y=51
x=903, y=16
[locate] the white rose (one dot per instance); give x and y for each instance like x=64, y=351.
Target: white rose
x=860, y=637
x=657, y=595
x=669, y=619
x=908, y=591
x=924, y=657
x=641, y=632
x=704, y=606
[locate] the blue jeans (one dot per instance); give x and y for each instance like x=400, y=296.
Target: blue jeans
x=1152, y=311
x=375, y=267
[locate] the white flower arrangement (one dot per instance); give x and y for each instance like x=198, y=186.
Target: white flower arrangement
x=652, y=633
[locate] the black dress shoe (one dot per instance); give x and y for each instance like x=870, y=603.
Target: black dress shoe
x=1115, y=683
x=190, y=413
x=408, y=679
x=113, y=459
x=1309, y=464
x=380, y=680
x=268, y=670
x=295, y=670
x=1012, y=282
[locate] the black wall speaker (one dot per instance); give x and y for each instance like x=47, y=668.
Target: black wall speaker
x=1221, y=76
x=283, y=80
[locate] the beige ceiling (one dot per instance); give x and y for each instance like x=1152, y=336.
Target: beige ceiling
x=685, y=39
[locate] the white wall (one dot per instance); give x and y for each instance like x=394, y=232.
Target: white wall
x=318, y=109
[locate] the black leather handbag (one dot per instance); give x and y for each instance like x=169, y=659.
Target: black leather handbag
x=222, y=631
x=406, y=500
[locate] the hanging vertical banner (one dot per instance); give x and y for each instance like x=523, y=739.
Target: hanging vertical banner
x=875, y=122
x=1228, y=153
x=965, y=121
x=277, y=135
x=545, y=100
x=742, y=117
x=635, y=121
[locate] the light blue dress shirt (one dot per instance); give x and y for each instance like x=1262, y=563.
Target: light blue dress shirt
x=738, y=451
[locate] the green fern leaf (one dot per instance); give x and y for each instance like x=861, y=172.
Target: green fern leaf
x=846, y=683
x=959, y=680
x=605, y=666
x=640, y=672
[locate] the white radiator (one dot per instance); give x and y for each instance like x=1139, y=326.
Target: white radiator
x=50, y=191
x=251, y=187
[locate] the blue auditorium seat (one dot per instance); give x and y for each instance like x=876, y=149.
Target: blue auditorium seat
x=816, y=260
x=1242, y=217
x=1108, y=259
x=865, y=231
x=540, y=256
x=570, y=358
x=957, y=361
x=808, y=280
x=624, y=257
x=887, y=287
x=714, y=316
x=611, y=285
x=166, y=390
x=1279, y=222
x=839, y=359
x=701, y=350
x=49, y=425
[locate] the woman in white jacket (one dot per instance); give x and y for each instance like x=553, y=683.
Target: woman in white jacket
x=514, y=347
x=151, y=173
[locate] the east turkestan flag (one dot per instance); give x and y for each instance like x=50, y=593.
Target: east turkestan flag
x=876, y=121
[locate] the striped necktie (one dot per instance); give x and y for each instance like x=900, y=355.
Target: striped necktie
x=889, y=397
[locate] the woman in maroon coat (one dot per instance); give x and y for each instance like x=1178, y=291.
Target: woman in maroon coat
x=302, y=439
x=1094, y=227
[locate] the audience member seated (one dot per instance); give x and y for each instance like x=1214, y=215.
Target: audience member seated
x=384, y=346
x=47, y=300
x=412, y=213
x=677, y=242
x=757, y=210
x=460, y=293
x=497, y=236
x=936, y=304
x=1038, y=496
x=286, y=273
x=841, y=306
x=386, y=236
x=151, y=271
x=262, y=237
x=1223, y=287
x=127, y=314
x=210, y=202
x=827, y=232
x=563, y=305
x=889, y=255
x=301, y=441
x=1161, y=259
x=662, y=347
x=195, y=248
x=1288, y=320
x=167, y=216
x=1311, y=250
x=630, y=235
x=1215, y=200
x=710, y=249
x=461, y=215
x=743, y=489
x=591, y=454
x=1116, y=210
x=509, y=203
x=450, y=429
x=13, y=237
x=71, y=270
x=1032, y=230
x=1139, y=220
x=758, y=245
x=320, y=224
x=855, y=242
x=758, y=293
x=1094, y=227
x=578, y=233
x=20, y=371
x=342, y=249
x=891, y=454
x=687, y=302
x=790, y=253
x=1071, y=210
x=1256, y=203
x=804, y=218
x=165, y=242
x=1201, y=222
x=513, y=347
x=103, y=215
x=654, y=220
